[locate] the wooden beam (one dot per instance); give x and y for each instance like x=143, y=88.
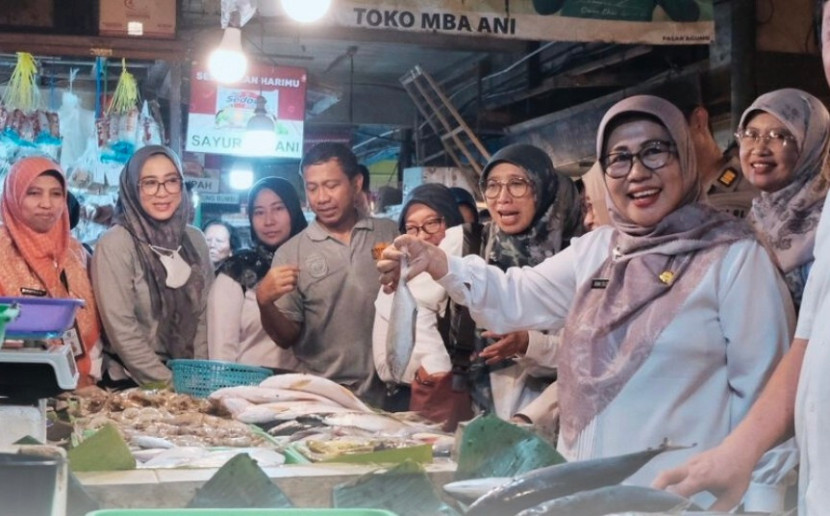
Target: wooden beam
x=130, y=48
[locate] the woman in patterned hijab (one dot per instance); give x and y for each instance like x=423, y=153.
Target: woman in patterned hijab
x=784, y=137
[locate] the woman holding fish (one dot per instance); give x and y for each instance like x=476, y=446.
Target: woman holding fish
x=429, y=210
x=657, y=339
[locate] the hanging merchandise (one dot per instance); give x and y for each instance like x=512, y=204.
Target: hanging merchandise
x=118, y=129
x=25, y=129
x=73, y=143
x=245, y=8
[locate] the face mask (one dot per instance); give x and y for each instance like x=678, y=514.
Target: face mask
x=178, y=271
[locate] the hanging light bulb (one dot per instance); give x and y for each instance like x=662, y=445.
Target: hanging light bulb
x=306, y=11
x=260, y=138
x=227, y=63
x=241, y=177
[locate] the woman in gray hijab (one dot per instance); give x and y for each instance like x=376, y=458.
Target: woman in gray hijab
x=656, y=342
x=152, y=272
x=784, y=139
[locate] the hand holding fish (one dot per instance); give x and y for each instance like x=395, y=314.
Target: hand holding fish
x=277, y=282
x=506, y=347
x=725, y=471
x=422, y=256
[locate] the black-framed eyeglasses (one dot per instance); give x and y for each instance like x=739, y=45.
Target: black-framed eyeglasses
x=653, y=156
x=516, y=187
x=773, y=138
x=151, y=186
x=430, y=227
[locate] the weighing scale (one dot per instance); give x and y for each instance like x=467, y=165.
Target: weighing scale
x=29, y=375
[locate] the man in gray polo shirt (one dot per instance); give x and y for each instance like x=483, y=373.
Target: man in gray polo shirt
x=318, y=298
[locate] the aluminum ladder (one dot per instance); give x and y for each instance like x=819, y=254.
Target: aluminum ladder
x=458, y=140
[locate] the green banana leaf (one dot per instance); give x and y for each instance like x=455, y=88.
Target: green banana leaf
x=491, y=447
x=404, y=490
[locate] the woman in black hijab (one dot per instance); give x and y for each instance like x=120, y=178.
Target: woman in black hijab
x=236, y=332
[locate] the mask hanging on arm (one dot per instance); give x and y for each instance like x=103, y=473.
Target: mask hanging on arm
x=178, y=271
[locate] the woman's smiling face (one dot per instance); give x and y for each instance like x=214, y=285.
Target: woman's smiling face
x=644, y=196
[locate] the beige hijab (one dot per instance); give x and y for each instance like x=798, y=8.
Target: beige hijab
x=787, y=219
x=610, y=332
x=596, y=191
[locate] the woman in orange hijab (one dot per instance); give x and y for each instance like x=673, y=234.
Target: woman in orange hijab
x=38, y=256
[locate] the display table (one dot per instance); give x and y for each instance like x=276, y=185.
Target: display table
x=306, y=485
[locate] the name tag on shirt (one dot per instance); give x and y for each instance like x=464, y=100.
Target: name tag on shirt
x=25, y=291
x=599, y=283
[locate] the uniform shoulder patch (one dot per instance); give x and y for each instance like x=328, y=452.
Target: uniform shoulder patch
x=727, y=177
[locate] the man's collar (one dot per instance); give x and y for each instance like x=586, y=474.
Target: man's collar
x=318, y=233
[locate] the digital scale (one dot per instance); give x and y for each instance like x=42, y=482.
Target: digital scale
x=30, y=375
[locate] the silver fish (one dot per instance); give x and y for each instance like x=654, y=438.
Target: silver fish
x=468, y=491
x=400, y=338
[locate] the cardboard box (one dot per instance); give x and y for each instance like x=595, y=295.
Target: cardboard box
x=27, y=13
x=137, y=18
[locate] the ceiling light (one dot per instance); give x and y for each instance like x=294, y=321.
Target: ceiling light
x=227, y=63
x=306, y=11
x=241, y=178
x=260, y=138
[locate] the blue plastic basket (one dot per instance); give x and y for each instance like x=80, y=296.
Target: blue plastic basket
x=201, y=377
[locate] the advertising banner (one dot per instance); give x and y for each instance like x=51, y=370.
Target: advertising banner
x=219, y=113
x=658, y=22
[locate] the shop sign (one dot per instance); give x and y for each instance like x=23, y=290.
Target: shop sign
x=614, y=21
x=219, y=198
x=219, y=113
x=203, y=184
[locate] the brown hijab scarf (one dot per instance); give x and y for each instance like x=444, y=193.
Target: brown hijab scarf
x=177, y=309
x=787, y=219
x=609, y=333
x=47, y=255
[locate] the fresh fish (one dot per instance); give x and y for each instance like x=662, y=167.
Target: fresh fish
x=369, y=422
x=286, y=411
x=257, y=394
x=400, y=338
x=541, y=485
x=611, y=499
x=234, y=406
x=316, y=385
x=142, y=455
x=148, y=441
x=468, y=491
x=194, y=457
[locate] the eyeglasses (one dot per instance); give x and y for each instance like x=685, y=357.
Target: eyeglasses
x=773, y=139
x=516, y=187
x=653, y=156
x=151, y=186
x=429, y=227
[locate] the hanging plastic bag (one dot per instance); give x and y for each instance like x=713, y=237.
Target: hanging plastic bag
x=74, y=142
x=246, y=8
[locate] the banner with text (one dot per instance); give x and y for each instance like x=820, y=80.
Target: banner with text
x=219, y=113
x=658, y=22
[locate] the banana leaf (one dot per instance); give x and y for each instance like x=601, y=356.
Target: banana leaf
x=240, y=484
x=404, y=490
x=105, y=450
x=491, y=447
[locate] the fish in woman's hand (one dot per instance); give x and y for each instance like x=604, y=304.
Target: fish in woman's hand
x=400, y=339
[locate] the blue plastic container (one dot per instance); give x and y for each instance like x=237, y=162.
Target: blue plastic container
x=41, y=317
x=201, y=377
